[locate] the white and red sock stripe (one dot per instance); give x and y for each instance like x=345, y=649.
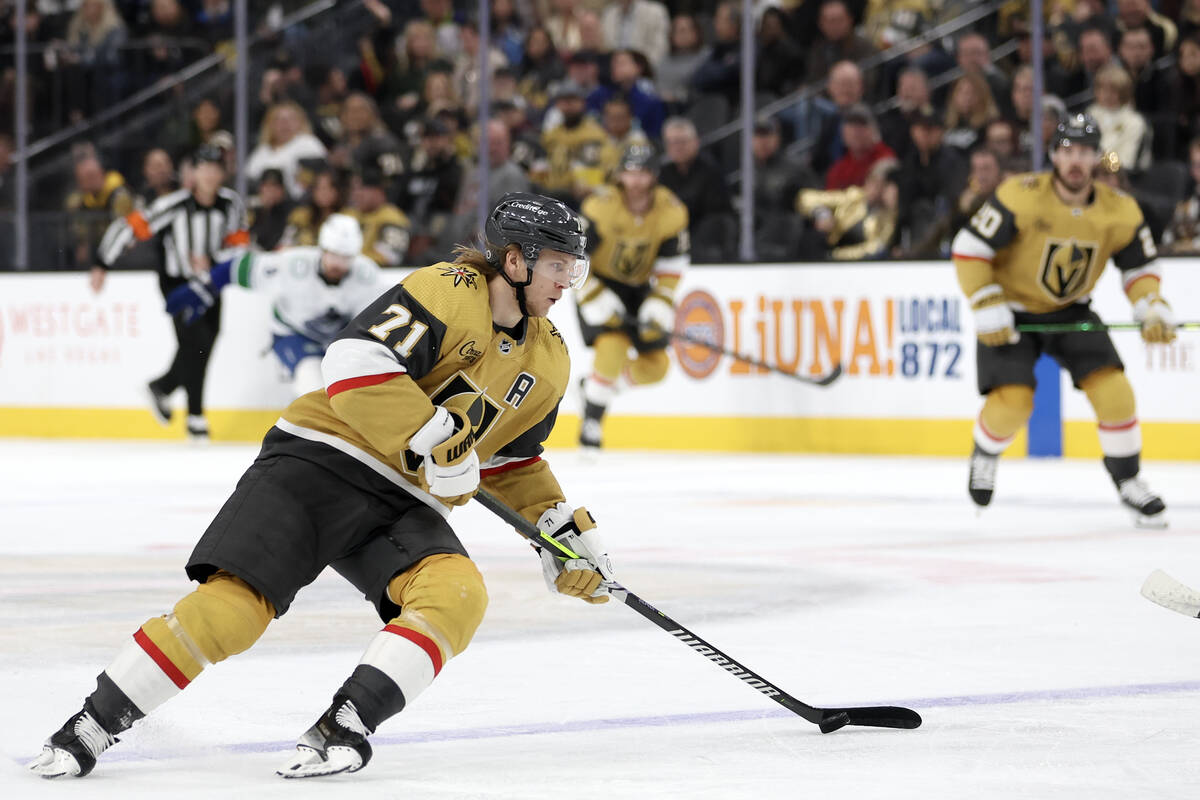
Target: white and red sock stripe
x=1121, y=439
x=989, y=442
x=410, y=658
x=144, y=673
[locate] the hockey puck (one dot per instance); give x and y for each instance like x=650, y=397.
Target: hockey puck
x=831, y=724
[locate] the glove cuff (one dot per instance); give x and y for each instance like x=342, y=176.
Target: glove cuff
x=990, y=295
x=436, y=430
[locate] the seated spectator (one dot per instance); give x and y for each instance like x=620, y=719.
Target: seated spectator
x=1001, y=138
x=640, y=25
x=563, y=26
x=365, y=141
x=508, y=32
x=930, y=177
x=912, y=96
x=445, y=24
x=699, y=183
x=573, y=149
x=618, y=124
x=1182, y=236
x=969, y=110
x=583, y=74
x=823, y=119
x=627, y=83
x=525, y=142
x=504, y=175
x=1187, y=120
x=857, y=223
x=269, y=211
x=326, y=197
x=400, y=83
x=284, y=141
x=838, y=41
x=1095, y=51
x=972, y=53
x=386, y=230
x=779, y=66
x=158, y=177
x=428, y=190
x=720, y=73
x=169, y=29
x=466, y=68
x=777, y=179
x=1157, y=208
x=330, y=90
x=539, y=70
x=214, y=21
x=93, y=75
x=1153, y=89
x=673, y=75
x=863, y=149
x=1122, y=129
x=1133, y=14
x=985, y=175
x=100, y=196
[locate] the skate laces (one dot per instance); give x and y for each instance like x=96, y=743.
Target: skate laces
x=347, y=717
x=1135, y=491
x=92, y=734
x=983, y=470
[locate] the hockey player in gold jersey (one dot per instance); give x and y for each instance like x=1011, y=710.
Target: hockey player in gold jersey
x=449, y=381
x=1033, y=253
x=638, y=240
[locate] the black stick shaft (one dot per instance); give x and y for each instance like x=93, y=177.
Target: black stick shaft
x=828, y=718
x=1071, y=327
x=823, y=380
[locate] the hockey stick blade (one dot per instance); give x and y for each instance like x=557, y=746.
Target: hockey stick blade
x=827, y=719
x=1161, y=588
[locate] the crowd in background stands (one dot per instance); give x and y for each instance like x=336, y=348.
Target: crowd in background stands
x=877, y=164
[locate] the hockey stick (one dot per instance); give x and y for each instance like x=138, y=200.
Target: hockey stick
x=1083, y=327
x=823, y=380
x=1167, y=592
x=828, y=719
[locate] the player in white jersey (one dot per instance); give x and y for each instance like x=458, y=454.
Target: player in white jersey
x=314, y=292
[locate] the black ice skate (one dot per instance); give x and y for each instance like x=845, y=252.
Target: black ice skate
x=590, y=431
x=1148, y=508
x=74, y=748
x=197, y=428
x=336, y=743
x=160, y=404
x=982, y=481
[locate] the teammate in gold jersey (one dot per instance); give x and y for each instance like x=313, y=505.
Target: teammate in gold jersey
x=1032, y=253
x=638, y=240
x=449, y=381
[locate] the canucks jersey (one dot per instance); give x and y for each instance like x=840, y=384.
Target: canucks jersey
x=302, y=301
x=1046, y=254
x=430, y=340
x=631, y=249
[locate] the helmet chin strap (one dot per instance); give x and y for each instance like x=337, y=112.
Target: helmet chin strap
x=530, y=253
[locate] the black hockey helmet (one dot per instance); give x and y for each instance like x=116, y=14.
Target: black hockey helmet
x=534, y=222
x=1080, y=129
x=639, y=155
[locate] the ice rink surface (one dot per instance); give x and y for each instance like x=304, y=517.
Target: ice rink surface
x=1019, y=635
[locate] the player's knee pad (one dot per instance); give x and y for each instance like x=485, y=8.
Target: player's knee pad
x=611, y=351
x=1006, y=409
x=1111, y=395
x=649, y=368
x=444, y=592
x=224, y=616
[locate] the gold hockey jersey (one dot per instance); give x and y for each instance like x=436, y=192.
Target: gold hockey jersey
x=574, y=156
x=626, y=248
x=1046, y=254
x=430, y=341
x=386, y=234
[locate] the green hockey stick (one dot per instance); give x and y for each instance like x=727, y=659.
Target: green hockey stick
x=1071, y=327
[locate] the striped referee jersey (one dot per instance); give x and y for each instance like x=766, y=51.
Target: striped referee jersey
x=185, y=228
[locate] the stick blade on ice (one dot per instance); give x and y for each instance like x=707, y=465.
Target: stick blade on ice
x=1161, y=588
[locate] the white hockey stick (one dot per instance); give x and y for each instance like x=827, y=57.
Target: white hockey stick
x=1167, y=592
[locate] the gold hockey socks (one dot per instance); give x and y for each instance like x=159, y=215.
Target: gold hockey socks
x=443, y=600
x=1005, y=411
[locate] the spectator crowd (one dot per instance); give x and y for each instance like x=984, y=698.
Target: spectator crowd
x=864, y=156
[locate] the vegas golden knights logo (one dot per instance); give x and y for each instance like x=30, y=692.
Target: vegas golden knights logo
x=1066, y=265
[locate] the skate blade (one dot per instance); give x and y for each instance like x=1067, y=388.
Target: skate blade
x=54, y=763
x=1157, y=522
x=311, y=763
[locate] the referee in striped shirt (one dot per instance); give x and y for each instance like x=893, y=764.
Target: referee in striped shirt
x=194, y=228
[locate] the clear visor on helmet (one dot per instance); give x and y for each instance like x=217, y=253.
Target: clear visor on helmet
x=562, y=268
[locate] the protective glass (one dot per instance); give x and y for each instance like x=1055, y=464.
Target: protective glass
x=562, y=268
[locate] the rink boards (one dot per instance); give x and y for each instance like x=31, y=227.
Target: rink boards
x=75, y=364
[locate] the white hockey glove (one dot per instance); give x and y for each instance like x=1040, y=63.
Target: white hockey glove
x=656, y=316
x=994, y=323
x=588, y=577
x=602, y=309
x=447, y=441
x=1157, y=318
